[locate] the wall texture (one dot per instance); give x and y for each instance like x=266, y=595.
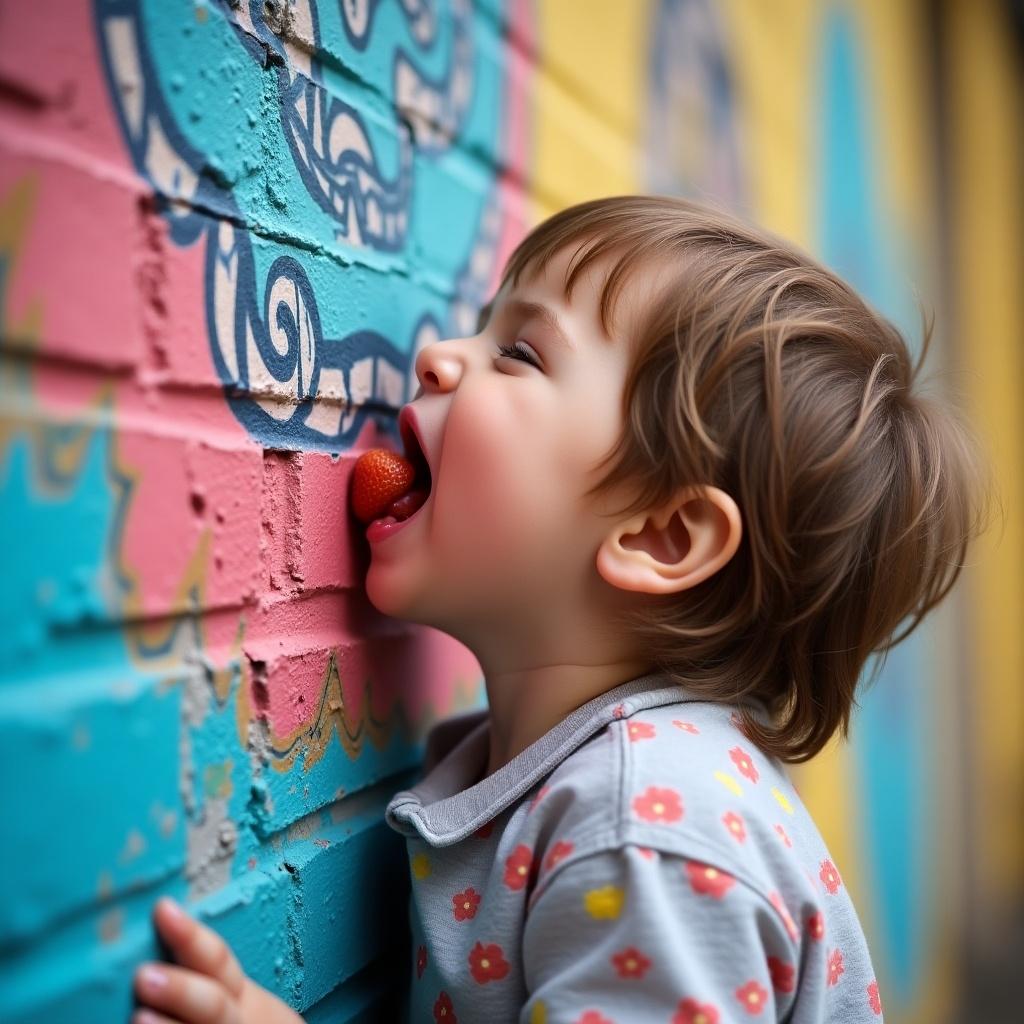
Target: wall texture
x=225, y=229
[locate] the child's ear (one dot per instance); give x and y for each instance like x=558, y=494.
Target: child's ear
x=674, y=547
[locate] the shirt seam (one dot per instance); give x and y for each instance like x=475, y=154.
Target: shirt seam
x=607, y=841
x=762, y=898
x=625, y=768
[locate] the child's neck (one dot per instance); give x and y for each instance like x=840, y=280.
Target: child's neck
x=527, y=702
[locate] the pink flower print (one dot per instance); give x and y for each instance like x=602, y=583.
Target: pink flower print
x=593, y=1017
x=443, y=1012
x=835, y=967
x=658, y=804
x=830, y=877
x=783, y=975
x=421, y=961
x=640, y=731
x=777, y=902
x=558, y=852
x=541, y=793
x=689, y=1011
x=631, y=963
x=708, y=880
x=465, y=904
x=487, y=963
x=619, y=711
x=518, y=867
x=782, y=835
x=734, y=823
x=752, y=997
x=744, y=765
x=691, y=728
x=645, y=852
x=874, y=999
x=816, y=926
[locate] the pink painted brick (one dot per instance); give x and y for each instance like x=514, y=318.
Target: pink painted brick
x=74, y=263
x=291, y=643
x=191, y=530
x=280, y=522
x=311, y=539
x=332, y=550
x=176, y=319
x=53, y=78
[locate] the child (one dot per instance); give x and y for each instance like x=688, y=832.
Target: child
x=680, y=489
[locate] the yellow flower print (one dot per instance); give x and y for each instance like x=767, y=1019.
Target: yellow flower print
x=421, y=865
x=605, y=902
x=782, y=801
x=539, y=1013
x=729, y=782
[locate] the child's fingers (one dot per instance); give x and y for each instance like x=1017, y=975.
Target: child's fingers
x=185, y=995
x=150, y=1017
x=197, y=947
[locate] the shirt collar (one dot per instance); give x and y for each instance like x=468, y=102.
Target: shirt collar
x=447, y=806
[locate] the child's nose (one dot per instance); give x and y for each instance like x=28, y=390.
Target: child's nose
x=439, y=366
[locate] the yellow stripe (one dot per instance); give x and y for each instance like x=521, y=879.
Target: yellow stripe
x=986, y=114
x=590, y=93
x=771, y=55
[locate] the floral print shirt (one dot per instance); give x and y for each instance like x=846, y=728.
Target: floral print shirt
x=643, y=861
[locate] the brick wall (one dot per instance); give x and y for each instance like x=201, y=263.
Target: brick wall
x=224, y=230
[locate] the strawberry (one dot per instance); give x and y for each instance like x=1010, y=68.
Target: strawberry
x=379, y=478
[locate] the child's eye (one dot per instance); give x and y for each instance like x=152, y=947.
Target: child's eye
x=521, y=351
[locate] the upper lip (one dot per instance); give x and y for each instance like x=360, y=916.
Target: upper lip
x=409, y=425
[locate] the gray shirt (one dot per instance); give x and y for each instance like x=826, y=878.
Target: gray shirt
x=642, y=861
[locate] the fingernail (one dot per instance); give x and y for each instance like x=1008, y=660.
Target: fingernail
x=153, y=978
x=174, y=911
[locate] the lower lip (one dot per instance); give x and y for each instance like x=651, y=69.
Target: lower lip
x=388, y=527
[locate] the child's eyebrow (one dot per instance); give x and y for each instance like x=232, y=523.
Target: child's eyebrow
x=527, y=310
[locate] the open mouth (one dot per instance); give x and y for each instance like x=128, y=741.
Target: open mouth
x=414, y=453
x=405, y=507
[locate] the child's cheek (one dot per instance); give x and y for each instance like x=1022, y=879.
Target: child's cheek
x=492, y=474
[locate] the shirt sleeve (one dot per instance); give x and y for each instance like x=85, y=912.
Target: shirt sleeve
x=637, y=935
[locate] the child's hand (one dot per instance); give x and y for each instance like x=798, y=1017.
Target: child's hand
x=206, y=985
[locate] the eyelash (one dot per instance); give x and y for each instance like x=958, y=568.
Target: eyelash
x=514, y=351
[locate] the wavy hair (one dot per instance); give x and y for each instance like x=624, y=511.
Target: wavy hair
x=759, y=371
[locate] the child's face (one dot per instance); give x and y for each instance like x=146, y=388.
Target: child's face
x=506, y=538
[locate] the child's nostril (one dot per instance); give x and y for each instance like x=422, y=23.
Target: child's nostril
x=432, y=377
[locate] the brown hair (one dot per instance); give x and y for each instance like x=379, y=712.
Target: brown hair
x=759, y=371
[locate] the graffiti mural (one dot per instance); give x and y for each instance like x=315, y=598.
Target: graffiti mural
x=293, y=375
x=226, y=229
x=288, y=383
x=314, y=191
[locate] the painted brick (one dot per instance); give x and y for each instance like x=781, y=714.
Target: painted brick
x=200, y=699
x=99, y=731
x=52, y=82
x=353, y=862
x=71, y=301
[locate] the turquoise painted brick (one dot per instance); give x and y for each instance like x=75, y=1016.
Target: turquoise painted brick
x=90, y=799
x=81, y=970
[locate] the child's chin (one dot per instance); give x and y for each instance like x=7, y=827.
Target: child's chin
x=379, y=593
x=386, y=593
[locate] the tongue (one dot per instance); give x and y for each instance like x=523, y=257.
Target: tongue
x=403, y=507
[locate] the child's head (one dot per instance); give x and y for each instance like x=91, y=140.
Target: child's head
x=725, y=475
